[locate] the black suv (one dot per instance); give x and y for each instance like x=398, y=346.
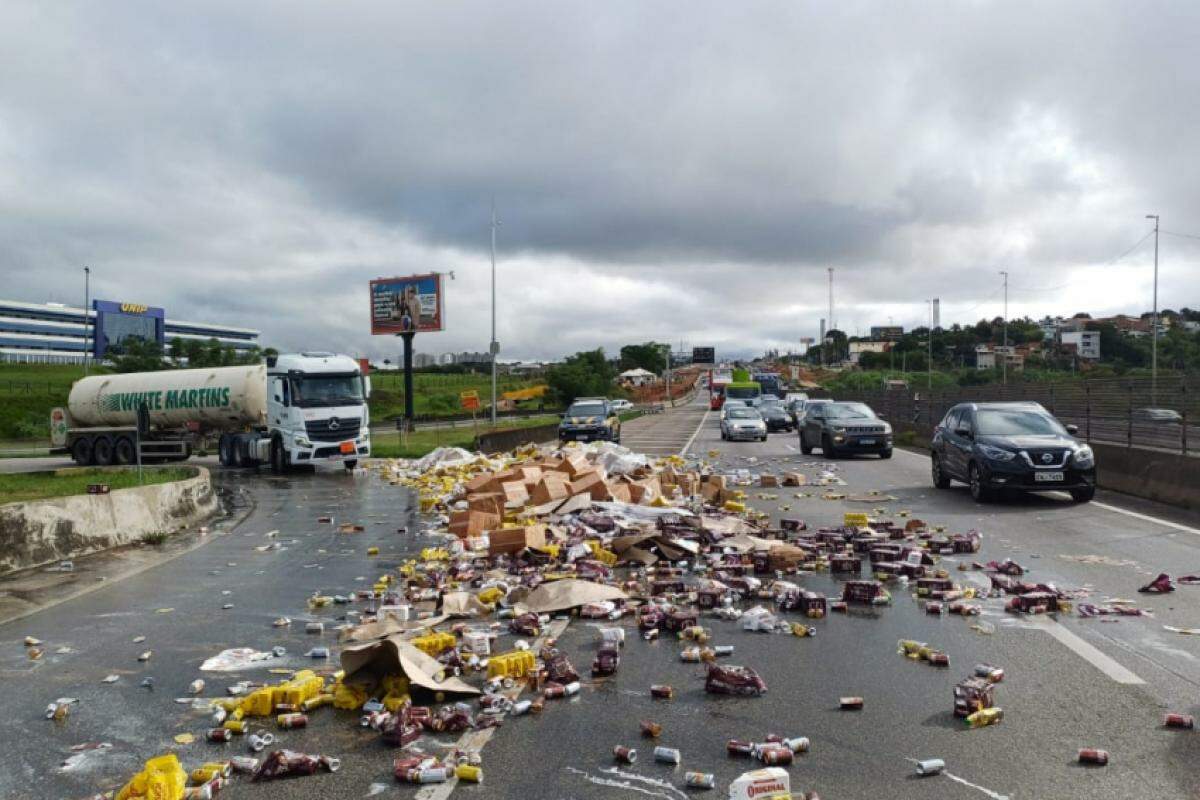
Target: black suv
x=839, y=428
x=997, y=446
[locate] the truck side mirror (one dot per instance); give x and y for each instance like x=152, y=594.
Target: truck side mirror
x=366, y=387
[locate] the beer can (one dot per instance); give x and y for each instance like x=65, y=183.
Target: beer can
x=1179, y=721
x=235, y=726
x=521, y=707
x=243, y=764
x=286, y=708
x=852, y=703
x=292, y=721
x=626, y=755
x=430, y=775
x=798, y=744
x=316, y=701
x=196, y=687
x=723, y=649
x=218, y=734
x=667, y=755
x=839, y=605
x=736, y=747
x=571, y=689
x=651, y=730
x=776, y=755
x=699, y=780
x=202, y=792
x=650, y=635
x=469, y=772
x=933, y=607
x=939, y=659
x=930, y=766
x=554, y=691
x=1092, y=755
x=661, y=691
x=992, y=674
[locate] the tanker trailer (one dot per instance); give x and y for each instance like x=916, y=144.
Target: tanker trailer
x=304, y=408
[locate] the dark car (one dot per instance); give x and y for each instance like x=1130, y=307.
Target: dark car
x=843, y=428
x=800, y=408
x=776, y=417
x=996, y=446
x=590, y=419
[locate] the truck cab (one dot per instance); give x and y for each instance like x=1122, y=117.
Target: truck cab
x=316, y=413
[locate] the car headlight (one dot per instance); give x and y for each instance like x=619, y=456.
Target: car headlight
x=997, y=453
x=302, y=442
x=839, y=429
x=887, y=429
x=1084, y=458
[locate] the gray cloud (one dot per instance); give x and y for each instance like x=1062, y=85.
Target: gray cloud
x=257, y=164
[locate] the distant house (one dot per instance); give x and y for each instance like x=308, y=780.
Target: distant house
x=637, y=377
x=1085, y=343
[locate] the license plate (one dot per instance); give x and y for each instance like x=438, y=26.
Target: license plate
x=347, y=447
x=866, y=441
x=1048, y=477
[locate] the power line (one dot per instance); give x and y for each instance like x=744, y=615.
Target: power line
x=1181, y=235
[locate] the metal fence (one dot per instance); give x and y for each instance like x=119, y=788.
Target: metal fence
x=1120, y=411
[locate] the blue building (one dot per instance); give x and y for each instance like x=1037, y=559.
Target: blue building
x=50, y=333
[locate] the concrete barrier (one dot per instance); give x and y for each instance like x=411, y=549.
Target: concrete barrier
x=503, y=441
x=1166, y=477
x=45, y=531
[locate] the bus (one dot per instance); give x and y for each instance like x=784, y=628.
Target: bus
x=718, y=379
x=748, y=392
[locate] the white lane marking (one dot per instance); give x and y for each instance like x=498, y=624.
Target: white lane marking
x=964, y=782
x=1147, y=518
x=1115, y=509
x=1086, y=651
x=696, y=432
x=476, y=739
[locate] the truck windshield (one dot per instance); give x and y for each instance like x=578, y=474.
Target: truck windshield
x=742, y=391
x=312, y=391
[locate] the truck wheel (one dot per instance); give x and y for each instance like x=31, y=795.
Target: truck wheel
x=827, y=447
x=224, y=454
x=805, y=448
x=81, y=451
x=281, y=462
x=123, y=451
x=351, y=464
x=102, y=451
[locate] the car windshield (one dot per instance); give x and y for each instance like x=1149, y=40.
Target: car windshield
x=586, y=410
x=1016, y=422
x=847, y=411
x=313, y=391
x=743, y=413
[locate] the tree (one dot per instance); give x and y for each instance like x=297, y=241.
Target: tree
x=178, y=350
x=649, y=356
x=585, y=374
x=139, y=355
x=194, y=350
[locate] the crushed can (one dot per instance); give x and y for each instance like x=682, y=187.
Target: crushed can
x=288, y=721
x=737, y=747
x=1184, y=721
x=930, y=766
x=984, y=717
x=851, y=703
x=218, y=735
x=469, y=772
x=626, y=755
x=699, y=780
x=243, y=764
x=651, y=730
x=660, y=691
x=939, y=659
x=989, y=673
x=667, y=755
x=798, y=744
x=1094, y=756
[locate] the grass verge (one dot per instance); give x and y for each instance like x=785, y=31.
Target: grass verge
x=26, y=486
x=415, y=445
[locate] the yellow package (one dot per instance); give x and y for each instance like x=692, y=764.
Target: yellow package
x=162, y=778
x=350, y=698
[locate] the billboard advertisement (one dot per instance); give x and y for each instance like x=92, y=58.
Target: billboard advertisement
x=887, y=333
x=117, y=322
x=406, y=305
x=704, y=355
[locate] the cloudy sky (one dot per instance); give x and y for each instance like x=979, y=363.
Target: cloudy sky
x=682, y=171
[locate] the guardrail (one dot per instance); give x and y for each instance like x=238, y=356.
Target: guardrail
x=1110, y=410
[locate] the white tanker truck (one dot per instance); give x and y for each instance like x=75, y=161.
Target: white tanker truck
x=306, y=408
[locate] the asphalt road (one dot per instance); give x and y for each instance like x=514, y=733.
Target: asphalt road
x=1070, y=683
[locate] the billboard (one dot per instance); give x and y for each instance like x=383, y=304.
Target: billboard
x=407, y=305
x=887, y=333
x=117, y=322
x=704, y=355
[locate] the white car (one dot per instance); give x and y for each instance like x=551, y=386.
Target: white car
x=621, y=406
x=742, y=422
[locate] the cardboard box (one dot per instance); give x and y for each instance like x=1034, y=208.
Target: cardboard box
x=487, y=502
x=510, y=541
x=794, y=479
x=465, y=524
x=553, y=486
x=590, y=483
x=619, y=491
x=766, y=481
x=574, y=464
x=515, y=493
x=480, y=483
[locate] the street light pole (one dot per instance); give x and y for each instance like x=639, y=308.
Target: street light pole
x=1004, y=355
x=1154, y=330
x=494, y=347
x=87, y=299
x=929, y=357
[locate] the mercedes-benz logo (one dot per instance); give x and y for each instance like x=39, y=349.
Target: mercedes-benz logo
x=1046, y=457
x=334, y=424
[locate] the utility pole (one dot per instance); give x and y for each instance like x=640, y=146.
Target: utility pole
x=494, y=347
x=87, y=299
x=668, y=398
x=1154, y=320
x=929, y=357
x=832, y=326
x=1004, y=355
